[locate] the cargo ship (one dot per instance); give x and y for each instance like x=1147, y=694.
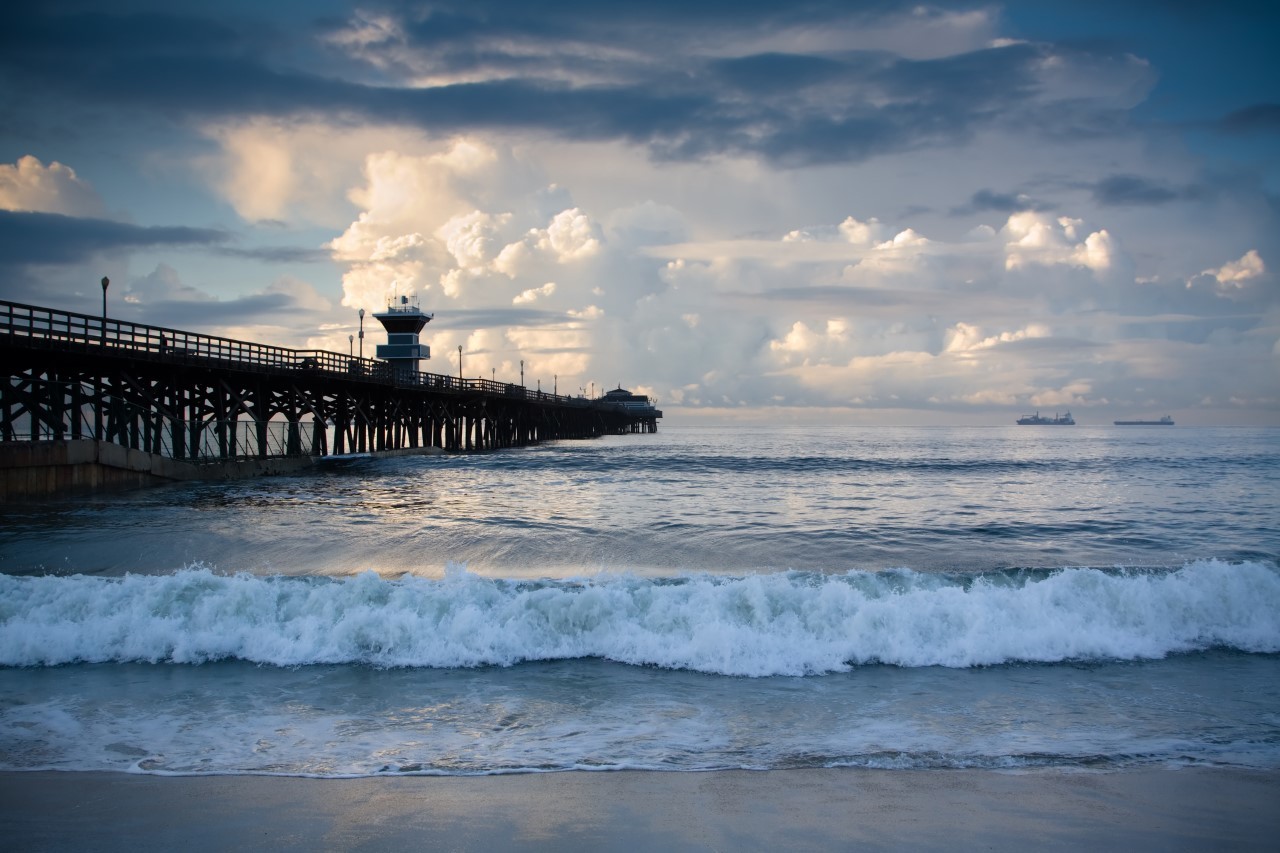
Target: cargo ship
x=1038, y=420
x=1165, y=421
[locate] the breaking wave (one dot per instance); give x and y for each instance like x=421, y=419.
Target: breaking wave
x=792, y=623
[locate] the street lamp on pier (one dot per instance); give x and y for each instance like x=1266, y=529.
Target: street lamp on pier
x=522, y=373
x=351, y=347
x=361, y=333
x=105, y=281
x=459, y=362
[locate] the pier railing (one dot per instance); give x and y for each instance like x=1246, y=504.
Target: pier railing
x=69, y=330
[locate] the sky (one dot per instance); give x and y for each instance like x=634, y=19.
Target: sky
x=801, y=212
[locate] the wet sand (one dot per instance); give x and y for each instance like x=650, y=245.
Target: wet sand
x=1155, y=809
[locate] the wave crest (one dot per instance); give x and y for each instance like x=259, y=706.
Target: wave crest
x=789, y=623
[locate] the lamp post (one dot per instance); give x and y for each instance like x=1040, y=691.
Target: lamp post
x=459, y=362
x=351, y=347
x=555, y=384
x=361, y=333
x=493, y=374
x=105, y=281
x=522, y=373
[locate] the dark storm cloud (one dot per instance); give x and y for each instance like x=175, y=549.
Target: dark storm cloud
x=640, y=21
x=782, y=73
x=44, y=36
x=1137, y=191
x=989, y=200
x=645, y=73
x=51, y=238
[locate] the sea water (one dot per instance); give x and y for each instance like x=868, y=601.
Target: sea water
x=703, y=598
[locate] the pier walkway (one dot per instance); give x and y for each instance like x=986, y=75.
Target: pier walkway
x=203, y=399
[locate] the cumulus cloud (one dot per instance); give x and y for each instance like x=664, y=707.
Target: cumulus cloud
x=29, y=185
x=862, y=233
x=570, y=236
x=1237, y=275
x=803, y=345
x=1035, y=238
x=424, y=224
x=465, y=258
x=471, y=238
x=533, y=293
x=396, y=245
x=967, y=338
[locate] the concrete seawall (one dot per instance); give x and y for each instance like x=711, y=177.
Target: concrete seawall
x=44, y=469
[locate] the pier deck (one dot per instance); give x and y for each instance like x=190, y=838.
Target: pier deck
x=205, y=399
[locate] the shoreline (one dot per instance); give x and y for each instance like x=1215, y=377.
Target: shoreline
x=813, y=809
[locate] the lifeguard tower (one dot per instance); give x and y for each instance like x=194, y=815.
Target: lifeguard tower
x=402, y=350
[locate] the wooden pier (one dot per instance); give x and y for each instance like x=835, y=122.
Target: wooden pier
x=204, y=399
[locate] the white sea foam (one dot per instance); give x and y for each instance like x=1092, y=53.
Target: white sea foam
x=776, y=624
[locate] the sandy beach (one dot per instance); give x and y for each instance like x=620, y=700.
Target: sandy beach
x=1155, y=809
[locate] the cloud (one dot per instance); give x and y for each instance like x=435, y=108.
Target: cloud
x=967, y=338
x=29, y=185
x=472, y=238
x=276, y=254
x=988, y=200
x=496, y=318
x=51, y=238
x=422, y=228
x=845, y=298
x=274, y=169
x=830, y=85
x=1135, y=190
x=739, y=205
x=570, y=236
x=163, y=298
x=803, y=345
x=1033, y=238
x=647, y=223
x=399, y=243
x=1234, y=276
x=862, y=233
x=533, y=293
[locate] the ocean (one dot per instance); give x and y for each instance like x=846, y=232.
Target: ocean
x=1004, y=598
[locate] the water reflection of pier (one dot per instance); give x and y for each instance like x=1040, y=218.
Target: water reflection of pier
x=187, y=396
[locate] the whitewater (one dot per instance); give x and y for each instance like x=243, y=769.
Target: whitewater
x=784, y=624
